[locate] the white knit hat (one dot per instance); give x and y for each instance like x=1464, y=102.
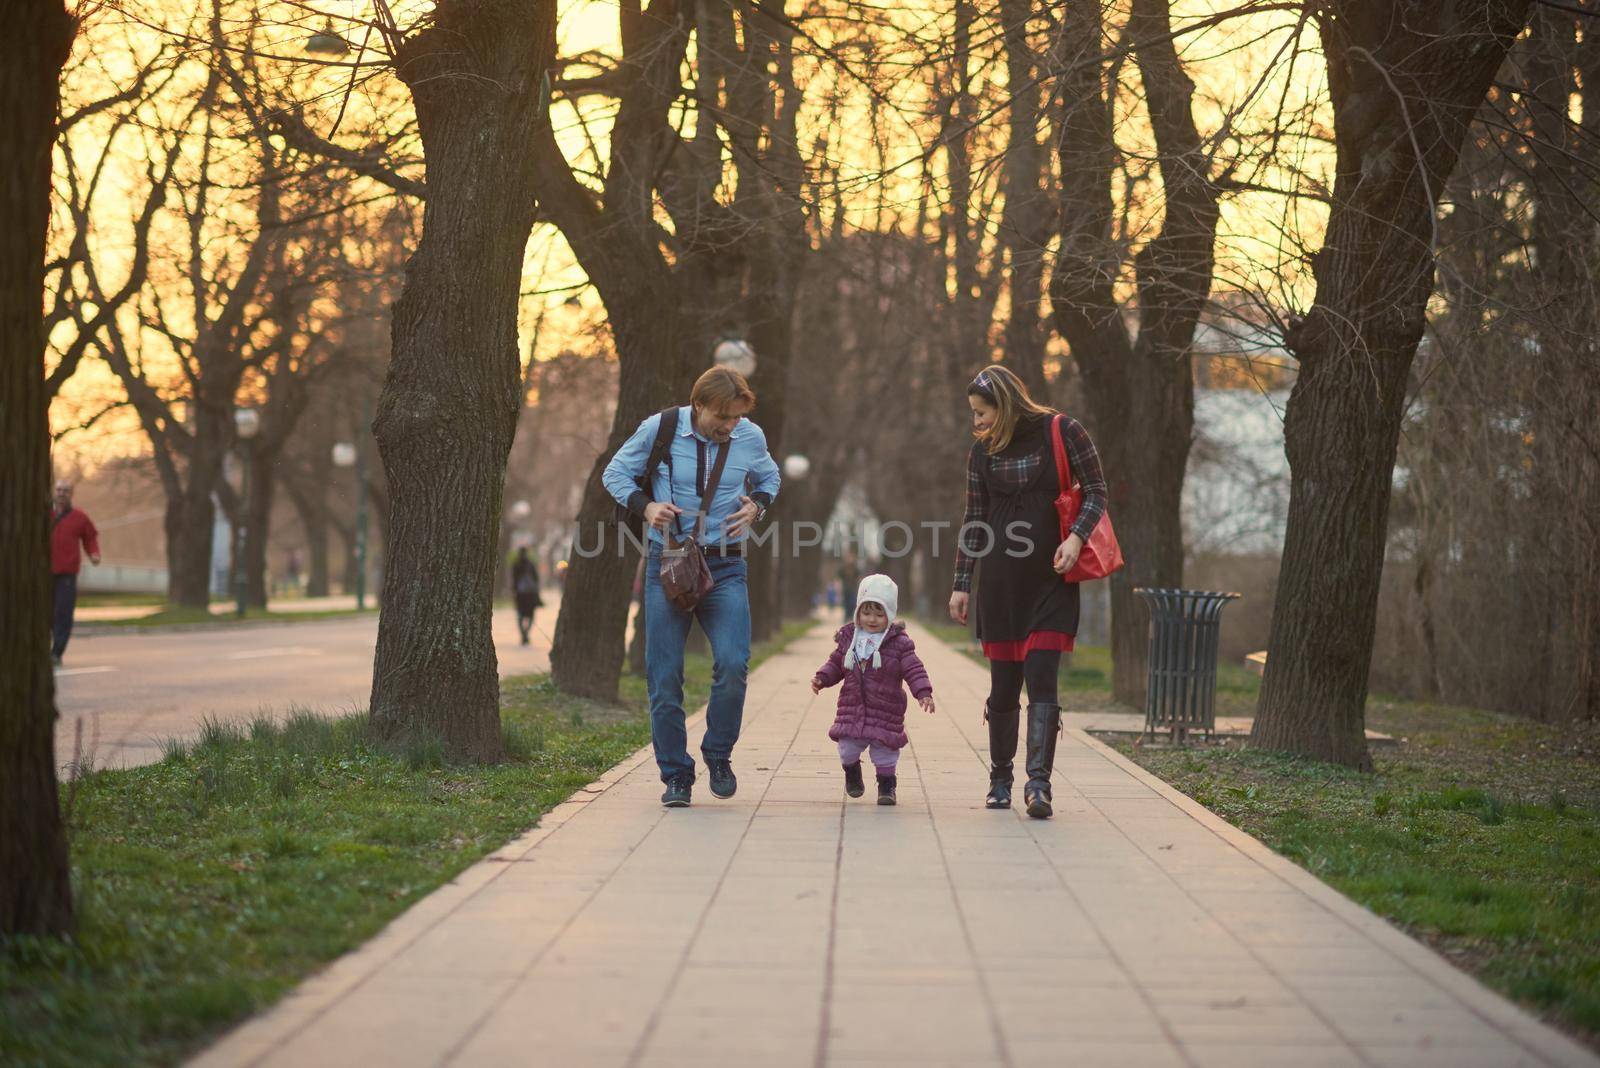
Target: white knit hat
x=881, y=591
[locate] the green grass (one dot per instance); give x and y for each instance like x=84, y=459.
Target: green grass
x=207, y=885
x=185, y=616
x=119, y=600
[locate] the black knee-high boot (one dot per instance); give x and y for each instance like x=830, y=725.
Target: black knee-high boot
x=1002, y=751
x=1044, y=726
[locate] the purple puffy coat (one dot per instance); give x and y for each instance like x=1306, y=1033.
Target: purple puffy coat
x=872, y=704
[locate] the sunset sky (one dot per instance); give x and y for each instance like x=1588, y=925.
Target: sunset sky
x=1248, y=72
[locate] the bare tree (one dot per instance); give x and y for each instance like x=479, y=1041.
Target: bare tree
x=478, y=75
x=1139, y=385
x=1564, y=414
x=35, y=885
x=79, y=190
x=1490, y=592
x=1029, y=219
x=1405, y=79
x=212, y=330
x=299, y=363
x=726, y=260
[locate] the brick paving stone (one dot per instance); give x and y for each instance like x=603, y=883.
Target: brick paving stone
x=791, y=926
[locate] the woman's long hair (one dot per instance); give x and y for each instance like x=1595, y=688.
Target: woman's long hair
x=1002, y=388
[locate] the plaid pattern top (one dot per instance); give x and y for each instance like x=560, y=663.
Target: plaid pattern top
x=1016, y=472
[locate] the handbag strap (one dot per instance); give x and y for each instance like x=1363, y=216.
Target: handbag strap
x=1063, y=465
x=711, y=488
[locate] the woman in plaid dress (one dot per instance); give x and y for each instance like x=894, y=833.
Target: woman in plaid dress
x=1027, y=616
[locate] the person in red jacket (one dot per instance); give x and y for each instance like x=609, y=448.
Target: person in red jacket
x=69, y=528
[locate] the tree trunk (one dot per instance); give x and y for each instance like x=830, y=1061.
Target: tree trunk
x=1145, y=382
x=1146, y=484
x=802, y=579
x=772, y=337
x=1565, y=496
x=772, y=299
x=312, y=509
x=1028, y=218
x=1405, y=82
x=35, y=883
x=189, y=527
x=449, y=405
x=663, y=313
x=587, y=650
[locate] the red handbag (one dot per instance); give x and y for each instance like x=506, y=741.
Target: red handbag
x=1101, y=554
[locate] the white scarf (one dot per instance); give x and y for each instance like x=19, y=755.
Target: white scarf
x=865, y=647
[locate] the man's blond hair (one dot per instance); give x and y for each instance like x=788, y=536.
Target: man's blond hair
x=720, y=388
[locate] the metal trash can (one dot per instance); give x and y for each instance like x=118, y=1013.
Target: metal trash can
x=1182, y=690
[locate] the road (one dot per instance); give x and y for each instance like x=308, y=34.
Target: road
x=129, y=690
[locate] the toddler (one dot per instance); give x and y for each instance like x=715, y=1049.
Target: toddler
x=876, y=660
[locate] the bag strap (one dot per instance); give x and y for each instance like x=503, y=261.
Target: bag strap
x=661, y=448
x=1063, y=465
x=711, y=487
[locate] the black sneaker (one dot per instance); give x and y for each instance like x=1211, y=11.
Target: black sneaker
x=886, y=785
x=677, y=794
x=723, y=784
x=852, y=780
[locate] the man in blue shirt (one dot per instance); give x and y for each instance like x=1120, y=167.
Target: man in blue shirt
x=714, y=420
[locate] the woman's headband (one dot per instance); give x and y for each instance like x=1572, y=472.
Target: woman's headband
x=983, y=385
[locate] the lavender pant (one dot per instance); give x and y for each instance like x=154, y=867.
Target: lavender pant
x=883, y=757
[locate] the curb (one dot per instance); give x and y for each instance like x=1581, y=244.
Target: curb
x=104, y=627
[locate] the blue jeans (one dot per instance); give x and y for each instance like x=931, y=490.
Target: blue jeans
x=66, y=600
x=724, y=615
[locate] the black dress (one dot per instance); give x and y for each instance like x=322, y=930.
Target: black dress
x=525, y=587
x=1023, y=605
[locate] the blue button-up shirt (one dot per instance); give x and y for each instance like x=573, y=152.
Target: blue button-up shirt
x=750, y=471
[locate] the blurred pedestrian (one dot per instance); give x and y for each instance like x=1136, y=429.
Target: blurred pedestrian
x=525, y=590
x=70, y=528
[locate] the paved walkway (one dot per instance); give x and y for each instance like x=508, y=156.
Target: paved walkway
x=128, y=689
x=790, y=926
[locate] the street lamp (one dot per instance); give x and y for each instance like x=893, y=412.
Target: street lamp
x=735, y=354
x=246, y=424
x=520, y=511
x=350, y=454
x=326, y=42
